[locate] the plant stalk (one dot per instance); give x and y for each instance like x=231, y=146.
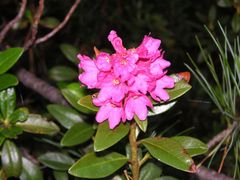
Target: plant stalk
x=134, y=151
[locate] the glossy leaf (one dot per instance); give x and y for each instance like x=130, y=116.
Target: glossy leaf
x=7, y=80
x=150, y=171
x=7, y=102
x=106, y=137
x=86, y=102
x=73, y=93
x=192, y=145
x=8, y=58
x=49, y=22
x=11, y=131
x=2, y=138
x=70, y=52
x=60, y=175
x=63, y=73
x=56, y=161
x=77, y=134
x=169, y=152
x=161, y=108
x=92, y=166
x=11, y=159
x=38, y=125
x=30, y=170
x=141, y=124
x=180, y=88
x=66, y=116
x=20, y=114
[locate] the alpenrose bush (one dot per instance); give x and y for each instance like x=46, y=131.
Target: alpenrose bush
x=133, y=84
x=126, y=79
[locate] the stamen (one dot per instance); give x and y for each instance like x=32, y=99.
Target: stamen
x=116, y=82
x=123, y=62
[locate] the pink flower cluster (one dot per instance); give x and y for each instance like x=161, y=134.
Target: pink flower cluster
x=125, y=79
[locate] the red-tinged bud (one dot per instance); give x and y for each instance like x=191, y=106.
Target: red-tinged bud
x=185, y=75
x=96, y=50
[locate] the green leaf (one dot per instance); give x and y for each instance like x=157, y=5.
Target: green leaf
x=20, y=114
x=141, y=124
x=180, y=88
x=77, y=134
x=2, y=139
x=161, y=108
x=169, y=152
x=86, y=102
x=150, y=171
x=106, y=137
x=62, y=73
x=92, y=166
x=8, y=58
x=70, y=52
x=66, y=116
x=30, y=170
x=38, y=125
x=56, y=161
x=192, y=145
x=7, y=80
x=49, y=22
x=11, y=159
x=59, y=175
x=11, y=132
x=73, y=93
x=7, y=102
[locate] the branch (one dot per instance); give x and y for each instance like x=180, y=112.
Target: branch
x=208, y=174
x=204, y=173
x=220, y=136
x=60, y=26
x=14, y=21
x=41, y=87
x=31, y=37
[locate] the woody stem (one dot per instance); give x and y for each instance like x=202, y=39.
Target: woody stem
x=134, y=151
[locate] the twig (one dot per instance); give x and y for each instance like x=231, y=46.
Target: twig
x=14, y=21
x=134, y=151
x=60, y=26
x=225, y=152
x=221, y=135
x=126, y=175
x=31, y=37
x=40, y=86
x=208, y=174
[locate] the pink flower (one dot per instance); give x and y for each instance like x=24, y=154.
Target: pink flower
x=137, y=104
x=103, y=62
x=111, y=89
x=89, y=76
x=148, y=47
x=124, y=65
x=126, y=79
x=116, y=42
x=159, y=93
x=113, y=113
x=158, y=66
x=139, y=83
